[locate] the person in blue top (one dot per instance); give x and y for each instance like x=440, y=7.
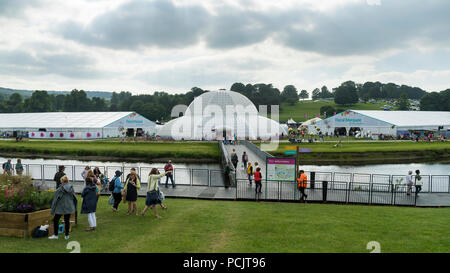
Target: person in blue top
x=117, y=193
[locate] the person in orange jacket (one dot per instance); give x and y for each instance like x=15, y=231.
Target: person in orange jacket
x=302, y=181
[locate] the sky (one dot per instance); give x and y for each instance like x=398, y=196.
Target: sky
x=144, y=46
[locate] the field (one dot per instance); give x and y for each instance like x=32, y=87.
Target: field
x=142, y=151
x=229, y=226
x=298, y=111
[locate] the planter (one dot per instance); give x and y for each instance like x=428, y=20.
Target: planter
x=23, y=224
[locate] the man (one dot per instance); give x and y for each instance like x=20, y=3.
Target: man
x=409, y=183
x=227, y=172
x=7, y=167
x=302, y=183
x=59, y=175
x=169, y=168
x=234, y=159
x=245, y=159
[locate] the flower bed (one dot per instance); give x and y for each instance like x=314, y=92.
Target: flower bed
x=22, y=206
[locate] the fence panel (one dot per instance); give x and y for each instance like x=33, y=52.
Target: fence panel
x=77, y=171
x=361, y=178
x=401, y=196
x=35, y=171
x=244, y=190
x=216, y=178
x=337, y=192
x=288, y=191
x=381, y=194
x=426, y=181
x=50, y=171
x=270, y=190
x=359, y=193
x=181, y=176
x=381, y=178
x=200, y=177
x=440, y=183
x=342, y=177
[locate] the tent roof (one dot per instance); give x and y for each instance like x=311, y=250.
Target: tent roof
x=60, y=119
x=291, y=121
x=409, y=118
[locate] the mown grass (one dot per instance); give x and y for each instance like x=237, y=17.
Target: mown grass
x=230, y=226
x=149, y=150
x=311, y=108
x=365, y=146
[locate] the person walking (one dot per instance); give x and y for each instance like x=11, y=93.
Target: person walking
x=19, y=167
x=250, y=173
x=245, y=159
x=234, y=159
x=117, y=192
x=64, y=203
x=302, y=183
x=59, y=175
x=132, y=186
x=153, y=198
x=7, y=167
x=89, y=205
x=418, y=182
x=227, y=172
x=169, y=173
x=258, y=183
x=409, y=182
x=97, y=172
x=85, y=171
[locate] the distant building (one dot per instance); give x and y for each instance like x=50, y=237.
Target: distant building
x=384, y=122
x=75, y=125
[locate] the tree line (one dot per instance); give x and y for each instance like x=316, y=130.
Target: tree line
x=158, y=105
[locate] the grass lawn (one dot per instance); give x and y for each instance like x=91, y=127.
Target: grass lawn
x=365, y=146
x=231, y=226
x=311, y=108
x=148, y=150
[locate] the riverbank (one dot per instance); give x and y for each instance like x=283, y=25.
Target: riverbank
x=151, y=152
x=366, y=153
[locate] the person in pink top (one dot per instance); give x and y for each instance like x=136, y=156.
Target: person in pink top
x=169, y=173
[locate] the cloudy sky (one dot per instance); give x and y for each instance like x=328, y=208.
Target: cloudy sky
x=144, y=46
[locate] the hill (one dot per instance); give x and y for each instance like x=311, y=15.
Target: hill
x=28, y=93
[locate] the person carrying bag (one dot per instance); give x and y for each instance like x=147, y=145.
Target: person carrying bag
x=153, y=194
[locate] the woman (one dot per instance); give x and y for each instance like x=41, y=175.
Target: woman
x=250, y=173
x=258, y=178
x=89, y=205
x=418, y=182
x=95, y=180
x=64, y=203
x=19, y=167
x=153, y=192
x=132, y=186
x=117, y=192
x=85, y=171
x=97, y=172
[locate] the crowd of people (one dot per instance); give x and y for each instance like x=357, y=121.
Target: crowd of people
x=65, y=202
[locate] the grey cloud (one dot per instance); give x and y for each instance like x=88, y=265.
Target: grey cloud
x=68, y=65
x=12, y=8
x=350, y=29
x=157, y=23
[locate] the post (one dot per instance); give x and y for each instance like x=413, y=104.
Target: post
x=324, y=191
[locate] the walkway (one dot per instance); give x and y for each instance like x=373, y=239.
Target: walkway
x=241, y=173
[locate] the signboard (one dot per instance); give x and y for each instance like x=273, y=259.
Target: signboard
x=280, y=169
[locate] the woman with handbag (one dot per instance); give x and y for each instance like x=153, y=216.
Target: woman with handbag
x=153, y=198
x=131, y=189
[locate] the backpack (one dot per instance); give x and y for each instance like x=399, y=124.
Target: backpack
x=234, y=158
x=245, y=157
x=112, y=183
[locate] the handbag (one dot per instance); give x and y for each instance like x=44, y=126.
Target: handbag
x=111, y=200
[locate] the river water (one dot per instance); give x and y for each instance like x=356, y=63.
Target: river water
x=395, y=169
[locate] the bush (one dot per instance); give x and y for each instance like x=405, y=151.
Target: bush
x=17, y=194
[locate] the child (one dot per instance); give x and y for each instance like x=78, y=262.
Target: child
x=89, y=205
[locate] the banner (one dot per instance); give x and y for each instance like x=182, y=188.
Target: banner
x=65, y=135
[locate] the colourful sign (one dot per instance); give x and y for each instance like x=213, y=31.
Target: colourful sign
x=280, y=169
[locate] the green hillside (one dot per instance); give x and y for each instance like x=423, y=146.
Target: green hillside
x=311, y=108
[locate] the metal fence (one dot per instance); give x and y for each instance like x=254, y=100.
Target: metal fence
x=182, y=176
x=326, y=191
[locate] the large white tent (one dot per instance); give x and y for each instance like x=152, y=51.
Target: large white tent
x=218, y=115
x=384, y=122
x=75, y=125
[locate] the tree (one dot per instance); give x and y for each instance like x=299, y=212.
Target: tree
x=77, y=101
x=289, y=94
x=99, y=104
x=403, y=102
x=304, y=94
x=14, y=103
x=346, y=93
x=325, y=93
x=40, y=101
x=316, y=94
x=435, y=101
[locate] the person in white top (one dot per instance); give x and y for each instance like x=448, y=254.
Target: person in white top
x=153, y=192
x=409, y=182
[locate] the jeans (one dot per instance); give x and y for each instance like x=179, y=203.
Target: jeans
x=258, y=185
x=302, y=191
x=66, y=223
x=171, y=179
x=418, y=189
x=117, y=199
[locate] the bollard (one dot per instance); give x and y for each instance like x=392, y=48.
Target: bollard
x=312, y=179
x=324, y=191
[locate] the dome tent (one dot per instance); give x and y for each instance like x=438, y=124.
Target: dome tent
x=221, y=115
